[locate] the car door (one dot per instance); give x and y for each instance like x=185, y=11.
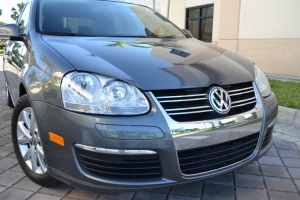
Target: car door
x=16, y=68
x=8, y=67
x=19, y=55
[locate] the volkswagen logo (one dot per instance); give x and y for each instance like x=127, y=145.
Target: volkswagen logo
x=219, y=100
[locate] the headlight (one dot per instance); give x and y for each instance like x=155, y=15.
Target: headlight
x=91, y=93
x=262, y=82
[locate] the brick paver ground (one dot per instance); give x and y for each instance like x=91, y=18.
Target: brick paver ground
x=274, y=176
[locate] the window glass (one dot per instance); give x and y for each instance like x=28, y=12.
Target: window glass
x=23, y=21
x=103, y=18
x=206, y=29
x=201, y=23
x=194, y=13
x=207, y=11
x=194, y=27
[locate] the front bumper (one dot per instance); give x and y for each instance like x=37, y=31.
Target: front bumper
x=78, y=128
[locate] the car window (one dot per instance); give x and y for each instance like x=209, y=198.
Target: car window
x=24, y=19
x=102, y=18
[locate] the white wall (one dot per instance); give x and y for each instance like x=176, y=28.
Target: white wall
x=194, y=3
x=269, y=19
x=178, y=13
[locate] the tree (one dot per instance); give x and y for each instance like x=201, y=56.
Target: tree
x=0, y=12
x=2, y=42
x=17, y=12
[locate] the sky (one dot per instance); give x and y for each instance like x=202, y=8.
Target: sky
x=6, y=6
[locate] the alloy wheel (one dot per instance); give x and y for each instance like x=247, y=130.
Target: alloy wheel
x=29, y=142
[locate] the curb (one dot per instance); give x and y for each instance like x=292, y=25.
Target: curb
x=288, y=116
x=283, y=77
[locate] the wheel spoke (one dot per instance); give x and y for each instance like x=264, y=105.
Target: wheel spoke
x=34, y=161
x=41, y=161
x=32, y=123
x=26, y=118
x=24, y=140
x=23, y=129
x=28, y=153
x=40, y=151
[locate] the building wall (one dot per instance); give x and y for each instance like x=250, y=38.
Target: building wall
x=177, y=11
x=266, y=32
x=271, y=19
x=263, y=31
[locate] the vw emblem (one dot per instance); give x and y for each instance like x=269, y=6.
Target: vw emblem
x=220, y=100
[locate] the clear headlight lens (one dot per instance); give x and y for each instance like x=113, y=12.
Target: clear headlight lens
x=262, y=82
x=91, y=93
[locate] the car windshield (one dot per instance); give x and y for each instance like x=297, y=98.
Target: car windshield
x=102, y=18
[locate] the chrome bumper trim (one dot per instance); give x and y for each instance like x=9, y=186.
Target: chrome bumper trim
x=114, y=151
x=193, y=132
x=210, y=132
x=272, y=123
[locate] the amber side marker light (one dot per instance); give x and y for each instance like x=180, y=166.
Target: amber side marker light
x=56, y=138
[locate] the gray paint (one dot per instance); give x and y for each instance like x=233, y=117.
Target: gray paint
x=78, y=128
x=129, y=132
x=9, y=30
x=147, y=63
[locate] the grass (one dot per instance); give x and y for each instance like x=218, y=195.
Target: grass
x=1, y=51
x=287, y=93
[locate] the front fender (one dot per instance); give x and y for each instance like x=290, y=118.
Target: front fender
x=43, y=71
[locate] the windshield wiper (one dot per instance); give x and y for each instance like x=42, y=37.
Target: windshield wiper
x=65, y=34
x=76, y=34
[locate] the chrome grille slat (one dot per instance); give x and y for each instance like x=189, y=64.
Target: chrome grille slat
x=243, y=104
x=241, y=93
x=185, y=113
x=181, y=96
x=188, y=108
x=179, y=100
x=240, y=89
x=185, y=105
x=235, y=102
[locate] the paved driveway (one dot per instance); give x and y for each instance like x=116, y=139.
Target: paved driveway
x=275, y=176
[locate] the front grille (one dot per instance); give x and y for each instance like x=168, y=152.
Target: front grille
x=129, y=167
x=194, y=161
x=268, y=137
x=185, y=105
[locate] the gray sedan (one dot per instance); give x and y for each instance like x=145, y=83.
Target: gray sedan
x=113, y=97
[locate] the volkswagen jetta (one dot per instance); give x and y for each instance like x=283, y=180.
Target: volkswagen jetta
x=113, y=97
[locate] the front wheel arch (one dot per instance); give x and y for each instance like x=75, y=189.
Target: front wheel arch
x=22, y=90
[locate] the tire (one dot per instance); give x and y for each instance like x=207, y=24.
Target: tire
x=9, y=102
x=27, y=144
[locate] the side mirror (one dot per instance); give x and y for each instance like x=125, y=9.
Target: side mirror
x=187, y=33
x=11, y=32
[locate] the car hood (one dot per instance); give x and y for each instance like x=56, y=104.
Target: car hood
x=154, y=63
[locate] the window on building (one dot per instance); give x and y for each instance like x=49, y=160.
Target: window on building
x=200, y=22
